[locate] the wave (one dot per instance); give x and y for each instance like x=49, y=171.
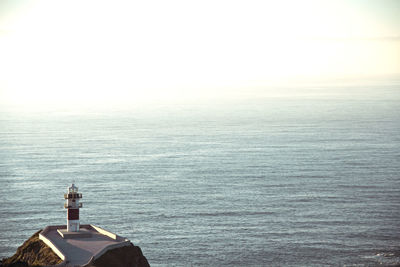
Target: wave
x=231, y=213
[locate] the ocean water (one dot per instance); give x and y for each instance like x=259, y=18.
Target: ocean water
x=305, y=180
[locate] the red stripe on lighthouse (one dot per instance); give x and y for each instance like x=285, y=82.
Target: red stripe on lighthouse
x=73, y=214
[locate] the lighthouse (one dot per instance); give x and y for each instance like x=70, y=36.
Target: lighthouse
x=81, y=244
x=72, y=205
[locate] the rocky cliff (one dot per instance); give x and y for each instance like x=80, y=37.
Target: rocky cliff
x=129, y=256
x=35, y=253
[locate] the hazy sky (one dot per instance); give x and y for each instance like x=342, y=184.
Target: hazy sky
x=80, y=52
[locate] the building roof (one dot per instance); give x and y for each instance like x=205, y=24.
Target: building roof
x=81, y=249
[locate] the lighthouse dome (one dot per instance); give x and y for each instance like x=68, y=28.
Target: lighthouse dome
x=73, y=189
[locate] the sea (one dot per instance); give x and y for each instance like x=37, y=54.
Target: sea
x=304, y=179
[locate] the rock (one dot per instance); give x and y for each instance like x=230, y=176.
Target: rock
x=129, y=256
x=35, y=253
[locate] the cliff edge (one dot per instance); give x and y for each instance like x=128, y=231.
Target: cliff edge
x=35, y=253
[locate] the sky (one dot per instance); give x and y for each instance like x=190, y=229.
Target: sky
x=79, y=53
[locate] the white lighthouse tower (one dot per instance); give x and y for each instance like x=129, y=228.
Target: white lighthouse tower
x=72, y=205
